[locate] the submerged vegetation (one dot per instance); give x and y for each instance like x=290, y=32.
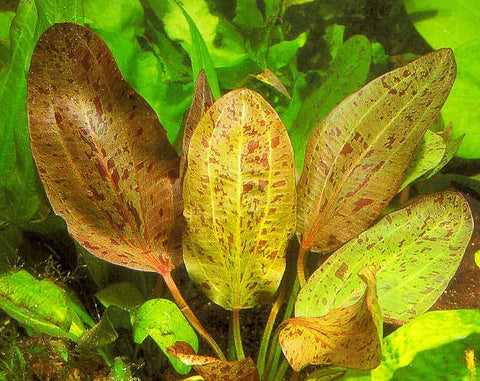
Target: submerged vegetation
x=250, y=190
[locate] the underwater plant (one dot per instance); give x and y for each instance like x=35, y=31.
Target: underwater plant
x=315, y=226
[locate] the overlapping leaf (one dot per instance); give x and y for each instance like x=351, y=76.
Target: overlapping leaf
x=348, y=72
x=239, y=196
x=103, y=157
x=356, y=157
x=163, y=321
x=213, y=369
x=428, y=156
x=349, y=337
x=416, y=249
x=201, y=102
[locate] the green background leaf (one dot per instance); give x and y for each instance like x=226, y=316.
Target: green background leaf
x=431, y=347
x=454, y=24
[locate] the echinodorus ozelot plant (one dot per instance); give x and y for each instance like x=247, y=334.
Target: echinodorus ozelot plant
x=110, y=172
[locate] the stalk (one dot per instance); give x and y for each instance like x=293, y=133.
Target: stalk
x=237, y=338
x=301, y=260
x=262, y=353
x=188, y=313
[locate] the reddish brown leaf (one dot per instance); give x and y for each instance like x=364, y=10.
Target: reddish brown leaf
x=202, y=100
x=349, y=337
x=102, y=155
x=213, y=369
x=357, y=156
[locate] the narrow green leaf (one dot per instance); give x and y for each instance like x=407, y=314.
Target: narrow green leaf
x=239, y=201
x=416, y=249
x=199, y=54
x=40, y=305
x=165, y=324
x=348, y=72
x=356, y=158
x=428, y=155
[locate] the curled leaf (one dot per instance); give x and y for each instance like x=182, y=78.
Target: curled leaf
x=271, y=79
x=349, y=337
x=357, y=155
x=240, y=199
x=416, y=251
x=213, y=369
x=103, y=157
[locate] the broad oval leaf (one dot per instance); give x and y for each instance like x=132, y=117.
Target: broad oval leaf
x=239, y=196
x=349, y=337
x=102, y=155
x=416, y=249
x=213, y=369
x=163, y=321
x=356, y=157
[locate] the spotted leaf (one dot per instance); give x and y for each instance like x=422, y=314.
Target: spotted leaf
x=103, y=157
x=239, y=196
x=416, y=250
x=202, y=99
x=213, y=369
x=349, y=337
x=357, y=155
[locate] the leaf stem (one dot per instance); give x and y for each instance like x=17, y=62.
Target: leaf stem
x=301, y=260
x=237, y=338
x=188, y=313
x=262, y=353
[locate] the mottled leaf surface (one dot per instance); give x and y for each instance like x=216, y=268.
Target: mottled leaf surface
x=202, y=100
x=356, y=157
x=349, y=337
x=102, y=155
x=428, y=156
x=416, y=250
x=239, y=197
x=163, y=321
x=348, y=73
x=213, y=369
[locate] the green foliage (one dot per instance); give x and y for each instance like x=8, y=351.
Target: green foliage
x=39, y=305
x=162, y=320
x=430, y=347
x=455, y=24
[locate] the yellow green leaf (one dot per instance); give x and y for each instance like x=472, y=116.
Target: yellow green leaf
x=239, y=199
x=356, y=157
x=349, y=337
